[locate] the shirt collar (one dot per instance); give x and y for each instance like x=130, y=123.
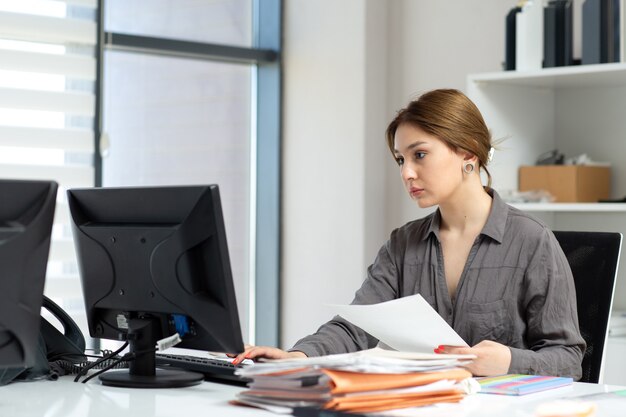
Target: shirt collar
x=435, y=225
x=494, y=227
x=496, y=222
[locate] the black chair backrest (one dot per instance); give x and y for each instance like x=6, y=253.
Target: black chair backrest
x=593, y=258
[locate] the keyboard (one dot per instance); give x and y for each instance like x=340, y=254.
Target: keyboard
x=215, y=370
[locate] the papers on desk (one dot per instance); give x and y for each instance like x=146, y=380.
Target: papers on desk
x=366, y=381
x=353, y=391
x=373, y=361
x=405, y=324
x=372, y=380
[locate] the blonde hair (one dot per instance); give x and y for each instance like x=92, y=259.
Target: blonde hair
x=450, y=116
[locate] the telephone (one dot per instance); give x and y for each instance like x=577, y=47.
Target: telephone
x=54, y=347
x=60, y=345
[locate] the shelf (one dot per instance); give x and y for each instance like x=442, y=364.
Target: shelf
x=559, y=77
x=573, y=207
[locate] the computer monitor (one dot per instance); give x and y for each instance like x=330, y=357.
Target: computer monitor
x=154, y=262
x=26, y=216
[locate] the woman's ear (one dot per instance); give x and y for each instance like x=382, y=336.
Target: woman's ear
x=469, y=157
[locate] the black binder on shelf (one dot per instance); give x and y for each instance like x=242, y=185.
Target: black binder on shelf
x=601, y=31
x=557, y=33
x=510, y=39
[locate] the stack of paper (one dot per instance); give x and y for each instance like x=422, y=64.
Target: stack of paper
x=371, y=380
x=368, y=381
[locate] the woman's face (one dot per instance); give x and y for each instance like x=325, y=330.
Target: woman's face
x=430, y=170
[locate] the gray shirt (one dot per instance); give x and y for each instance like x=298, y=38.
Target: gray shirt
x=516, y=289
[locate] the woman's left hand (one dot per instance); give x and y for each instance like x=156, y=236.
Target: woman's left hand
x=492, y=358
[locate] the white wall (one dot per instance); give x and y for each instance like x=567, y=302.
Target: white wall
x=349, y=65
x=436, y=44
x=334, y=100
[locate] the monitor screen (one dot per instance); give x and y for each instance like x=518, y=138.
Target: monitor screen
x=26, y=216
x=154, y=262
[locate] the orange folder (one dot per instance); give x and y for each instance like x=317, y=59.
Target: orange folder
x=366, y=404
x=343, y=382
x=359, y=383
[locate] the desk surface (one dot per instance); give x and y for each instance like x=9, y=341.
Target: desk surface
x=64, y=398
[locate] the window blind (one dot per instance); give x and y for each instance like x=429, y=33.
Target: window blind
x=47, y=109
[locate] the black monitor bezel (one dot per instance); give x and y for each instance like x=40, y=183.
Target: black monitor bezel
x=189, y=214
x=27, y=210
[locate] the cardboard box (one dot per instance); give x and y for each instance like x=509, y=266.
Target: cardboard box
x=568, y=183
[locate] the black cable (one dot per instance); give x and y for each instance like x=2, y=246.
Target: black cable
x=103, y=370
x=66, y=356
x=95, y=363
x=130, y=356
x=67, y=367
x=63, y=367
x=107, y=362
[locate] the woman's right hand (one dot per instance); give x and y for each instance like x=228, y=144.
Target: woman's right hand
x=258, y=352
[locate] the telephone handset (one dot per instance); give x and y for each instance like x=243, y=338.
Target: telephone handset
x=61, y=345
x=53, y=346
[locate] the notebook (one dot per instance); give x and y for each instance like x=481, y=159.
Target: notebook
x=516, y=384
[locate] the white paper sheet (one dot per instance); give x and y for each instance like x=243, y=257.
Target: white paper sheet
x=406, y=324
x=374, y=361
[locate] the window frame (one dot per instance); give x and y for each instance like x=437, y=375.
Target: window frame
x=265, y=57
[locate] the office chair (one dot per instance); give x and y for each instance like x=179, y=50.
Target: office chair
x=593, y=258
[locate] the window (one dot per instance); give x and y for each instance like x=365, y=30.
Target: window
x=47, y=108
x=154, y=92
x=180, y=121
x=226, y=22
x=187, y=99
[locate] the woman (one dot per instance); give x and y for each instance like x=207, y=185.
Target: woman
x=494, y=273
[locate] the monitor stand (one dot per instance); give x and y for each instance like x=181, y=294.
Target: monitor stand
x=142, y=372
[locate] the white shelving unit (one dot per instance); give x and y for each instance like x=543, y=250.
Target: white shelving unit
x=573, y=207
x=559, y=77
x=578, y=109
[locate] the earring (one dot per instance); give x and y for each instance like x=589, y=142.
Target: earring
x=468, y=168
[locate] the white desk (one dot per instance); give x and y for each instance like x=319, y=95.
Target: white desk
x=64, y=398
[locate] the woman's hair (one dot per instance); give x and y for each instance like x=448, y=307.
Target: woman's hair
x=451, y=117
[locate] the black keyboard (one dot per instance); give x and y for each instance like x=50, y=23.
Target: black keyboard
x=213, y=369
